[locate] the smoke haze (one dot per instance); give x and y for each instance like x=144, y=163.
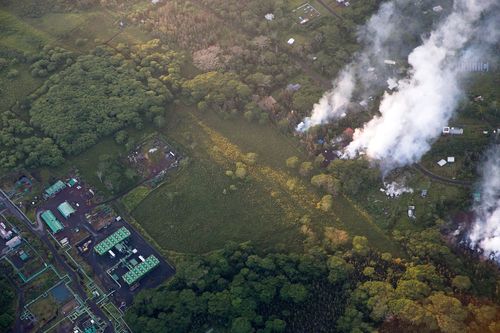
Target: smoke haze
x=485, y=233
x=333, y=104
x=411, y=117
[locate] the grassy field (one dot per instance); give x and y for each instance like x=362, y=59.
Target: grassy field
x=57, y=25
x=18, y=35
x=84, y=30
x=132, y=199
x=17, y=88
x=196, y=211
x=192, y=214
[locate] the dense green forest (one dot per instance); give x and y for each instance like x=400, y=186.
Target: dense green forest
x=97, y=96
x=21, y=147
x=7, y=308
x=348, y=288
x=86, y=98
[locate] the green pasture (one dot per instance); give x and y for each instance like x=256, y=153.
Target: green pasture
x=196, y=211
x=19, y=35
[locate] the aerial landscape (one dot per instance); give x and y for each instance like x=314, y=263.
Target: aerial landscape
x=252, y=166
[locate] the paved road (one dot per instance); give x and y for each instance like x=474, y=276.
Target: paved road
x=442, y=179
x=14, y=210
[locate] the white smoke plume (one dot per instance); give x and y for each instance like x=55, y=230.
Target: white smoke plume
x=411, y=117
x=395, y=189
x=485, y=233
x=374, y=35
x=333, y=104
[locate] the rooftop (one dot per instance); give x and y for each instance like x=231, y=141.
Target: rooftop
x=72, y=182
x=65, y=209
x=117, y=237
x=140, y=270
x=52, y=222
x=55, y=188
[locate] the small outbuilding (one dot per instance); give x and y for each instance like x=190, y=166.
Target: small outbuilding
x=66, y=209
x=442, y=162
x=72, y=182
x=411, y=212
x=23, y=256
x=269, y=16
x=437, y=9
x=14, y=242
x=52, y=222
x=453, y=130
x=268, y=104
x=54, y=189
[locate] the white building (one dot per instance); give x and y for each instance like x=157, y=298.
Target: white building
x=15, y=241
x=453, y=130
x=411, y=212
x=437, y=9
x=269, y=16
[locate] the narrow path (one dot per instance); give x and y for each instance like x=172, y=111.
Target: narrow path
x=321, y=80
x=329, y=9
x=454, y=182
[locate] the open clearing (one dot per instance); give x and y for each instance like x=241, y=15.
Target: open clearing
x=191, y=213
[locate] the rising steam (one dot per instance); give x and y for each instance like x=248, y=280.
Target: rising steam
x=485, y=233
x=411, y=117
x=333, y=103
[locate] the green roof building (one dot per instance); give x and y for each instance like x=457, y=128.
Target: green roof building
x=55, y=188
x=141, y=270
x=52, y=222
x=23, y=256
x=66, y=209
x=115, y=238
x=72, y=182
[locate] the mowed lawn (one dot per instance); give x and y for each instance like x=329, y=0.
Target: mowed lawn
x=193, y=213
